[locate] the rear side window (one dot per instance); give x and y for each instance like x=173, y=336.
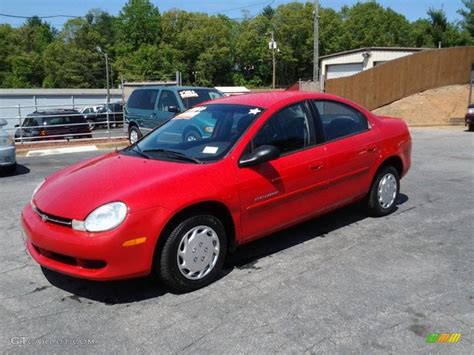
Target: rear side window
x=340, y=120
x=192, y=97
x=143, y=99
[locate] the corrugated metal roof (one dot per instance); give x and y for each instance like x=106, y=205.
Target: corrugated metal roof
x=369, y=49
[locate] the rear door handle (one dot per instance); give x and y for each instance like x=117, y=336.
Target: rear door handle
x=370, y=149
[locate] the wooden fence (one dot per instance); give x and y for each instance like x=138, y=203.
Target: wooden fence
x=406, y=76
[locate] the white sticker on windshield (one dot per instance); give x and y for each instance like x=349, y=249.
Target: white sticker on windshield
x=254, y=111
x=190, y=113
x=185, y=94
x=210, y=150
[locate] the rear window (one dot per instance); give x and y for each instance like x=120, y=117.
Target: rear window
x=143, y=99
x=192, y=97
x=51, y=121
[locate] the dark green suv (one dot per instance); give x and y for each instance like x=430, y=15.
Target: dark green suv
x=149, y=107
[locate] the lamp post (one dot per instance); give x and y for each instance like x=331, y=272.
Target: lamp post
x=100, y=51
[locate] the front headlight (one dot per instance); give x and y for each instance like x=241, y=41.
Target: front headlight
x=470, y=111
x=103, y=218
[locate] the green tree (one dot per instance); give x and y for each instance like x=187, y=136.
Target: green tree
x=138, y=23
x=370, y=24
x=468, y=17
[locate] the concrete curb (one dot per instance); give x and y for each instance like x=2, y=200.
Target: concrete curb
x=23, y=150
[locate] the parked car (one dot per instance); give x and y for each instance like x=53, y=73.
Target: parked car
x=469, y=118
x=7, y=149
x=97, y=115
x=177, y=208
x=149, y=107
x=53, y=124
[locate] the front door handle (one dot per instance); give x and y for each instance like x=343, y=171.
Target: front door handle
x=316, y=166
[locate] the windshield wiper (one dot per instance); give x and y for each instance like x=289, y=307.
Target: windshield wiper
x=174, y=155
x=137, y=150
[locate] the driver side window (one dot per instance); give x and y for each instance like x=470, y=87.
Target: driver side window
x=288, y=130
x=167, y=99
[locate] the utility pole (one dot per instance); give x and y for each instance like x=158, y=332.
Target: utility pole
x=273, y=46
x=316, y=42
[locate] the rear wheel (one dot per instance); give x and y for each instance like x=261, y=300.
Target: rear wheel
x=384, y=192
x=134, y=135
x=91, y=124
x=193, y=253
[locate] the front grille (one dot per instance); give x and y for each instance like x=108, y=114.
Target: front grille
x=69, y=260
x=46, y=217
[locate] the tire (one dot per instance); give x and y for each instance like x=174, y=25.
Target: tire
x=384, y=192
x=191, y=136
x=134, y=134
x=91, y=124
x=471, y=127
x=186, y=262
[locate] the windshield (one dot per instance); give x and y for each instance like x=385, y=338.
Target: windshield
x=193, y=97
x=201, y=134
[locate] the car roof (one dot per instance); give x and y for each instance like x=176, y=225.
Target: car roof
x=271, y=98
x=52, y=112
x=174, y=87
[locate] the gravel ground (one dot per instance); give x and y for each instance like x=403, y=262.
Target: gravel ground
x=343, y=283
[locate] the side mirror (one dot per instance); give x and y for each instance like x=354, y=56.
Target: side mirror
x=260, y=155
x=174, y=109
x=3, y=122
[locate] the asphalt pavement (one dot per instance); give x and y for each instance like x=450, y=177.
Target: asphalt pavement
x=343, y=283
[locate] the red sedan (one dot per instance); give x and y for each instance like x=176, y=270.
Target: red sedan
x=177, y=207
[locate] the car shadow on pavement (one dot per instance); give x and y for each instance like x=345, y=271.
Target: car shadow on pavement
x=246, y=256
x=135, y=290
x=107, y=292
x=20, y=170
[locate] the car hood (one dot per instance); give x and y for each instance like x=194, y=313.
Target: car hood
x=140, y=183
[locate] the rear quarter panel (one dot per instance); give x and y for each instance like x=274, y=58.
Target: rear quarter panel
x=394, y=141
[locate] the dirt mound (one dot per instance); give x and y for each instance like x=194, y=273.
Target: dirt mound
x=442, y=106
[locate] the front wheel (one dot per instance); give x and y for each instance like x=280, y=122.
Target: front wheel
x=191, y=136
x=193, y=253
x=384, y=192
x=134, y=135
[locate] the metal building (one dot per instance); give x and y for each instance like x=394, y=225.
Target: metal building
x=351, y=62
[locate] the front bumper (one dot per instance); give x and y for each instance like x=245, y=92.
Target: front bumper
x=94, y=256
x=7, y=155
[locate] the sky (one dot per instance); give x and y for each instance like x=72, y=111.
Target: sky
x=412, y=9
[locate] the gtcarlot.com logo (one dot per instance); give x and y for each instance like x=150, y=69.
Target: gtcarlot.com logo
x=22, y=340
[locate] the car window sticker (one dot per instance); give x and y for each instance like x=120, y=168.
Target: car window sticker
x=185, y=94
x=210, y=150
x=186, y=115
